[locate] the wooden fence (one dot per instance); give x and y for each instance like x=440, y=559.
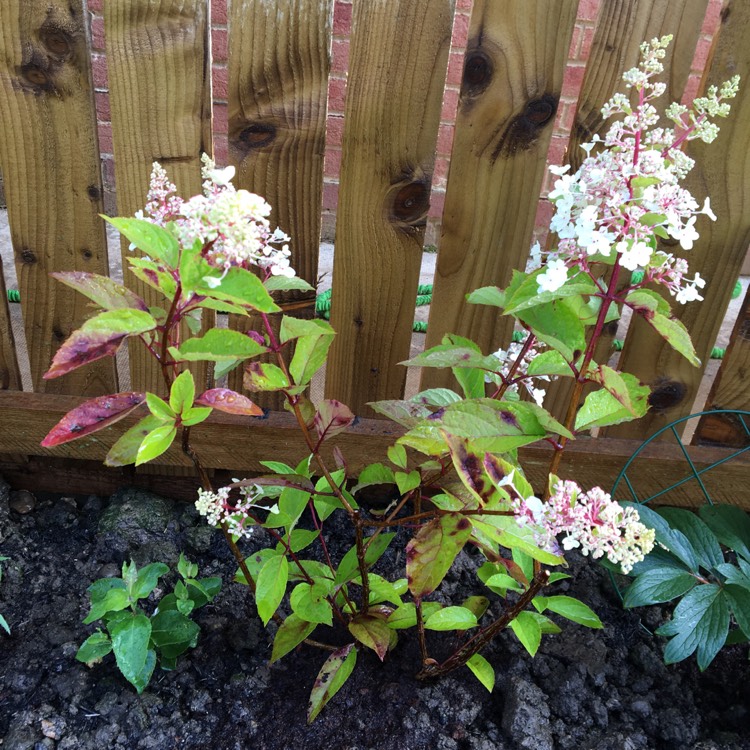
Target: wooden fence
x=158, y=56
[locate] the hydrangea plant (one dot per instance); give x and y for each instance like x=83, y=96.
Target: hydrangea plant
x=454, y=474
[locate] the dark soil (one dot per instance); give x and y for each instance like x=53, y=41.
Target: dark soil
x=585, y=690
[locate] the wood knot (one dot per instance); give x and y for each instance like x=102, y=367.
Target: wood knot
x=526, y=127
x=410, y=203
x=57, y=41
x=87, y=254
x=258, y=135
x=666, y=394
x=478, y=72
x=93, y=192
x=36, y=77
x=28, y=256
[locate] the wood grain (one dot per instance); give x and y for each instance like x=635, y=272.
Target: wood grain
x=399, y=54
x=512, y=78
x=730, y=389
x=621, y=27
x=722, y=172
x=27, y=417
x=50, y=163
x=158, y=62
x=279, y=60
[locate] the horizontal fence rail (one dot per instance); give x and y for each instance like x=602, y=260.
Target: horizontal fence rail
x=160, y=89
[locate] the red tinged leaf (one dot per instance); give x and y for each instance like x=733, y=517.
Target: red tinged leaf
x=229, y=401
x=93, y=415
x=331, y=418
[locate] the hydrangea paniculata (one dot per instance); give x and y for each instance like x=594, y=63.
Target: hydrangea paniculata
x=232, y=225
x=627, y=193
x=219, y=509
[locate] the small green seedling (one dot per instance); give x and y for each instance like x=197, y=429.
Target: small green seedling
x=136, y=638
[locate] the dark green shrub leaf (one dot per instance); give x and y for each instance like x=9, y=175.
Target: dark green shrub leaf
x=731, y=526
x=148, y=577
x=173, y=633
x=94, y=648
x=130, y=640
x=657, y=586
x=699, y=535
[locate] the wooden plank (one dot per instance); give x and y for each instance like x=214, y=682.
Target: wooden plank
x=10, y=375
x=239, y=444
x=721, y=172
x=621, y=28
x=50, y=163
x=398, y=58
x=158, y=61
x=730, y=389
x=513, y=74
x=279, y=60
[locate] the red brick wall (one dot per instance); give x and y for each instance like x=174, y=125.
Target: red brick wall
x=578, y=54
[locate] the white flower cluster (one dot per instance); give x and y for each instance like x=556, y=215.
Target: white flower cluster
x=621, y=198
x=232, y=225
x=218, y=509
x=591, y=521
x=507, y=359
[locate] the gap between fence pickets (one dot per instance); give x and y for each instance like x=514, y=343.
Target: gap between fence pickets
x=238, y=444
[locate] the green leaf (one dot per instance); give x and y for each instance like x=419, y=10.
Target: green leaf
x=290, y=634
x=699, y=622
x=407, y=482
x=373, y=632
x=155, y=443
x=526, y=295
x=487, y=295
x=349, y=568
x=647, y=301
x=482, y=670
x=182, y=393
x=558, y=325
x=382, y=590
x=172, y=633
x=310, y=355
x=203, y=590
x=196, y=415
x=450, y=355
x=309, y=602
x=125, y=450
x=738, y=598
x=500, y=583
x=331, y=678
x=264, y=377
x=294, y=328
x=731, y=526
x=218, y=345
x=550, y=362
x=657, y=586
x=572, y=609
x=620, y=387
x=130, y=640
x=451, y=618
x=159, y=408
x=528, y=630
x=153, y=274
x=102, y=290
x=601, y=408
x=397, y=455
x=298, y=540
x=675, y=334
x=374, y=474
x=185, y=568
x=148, y=577
x=698, y=534
x=405, y=616
x=286, y=284
x=242, y=288
x=113, y=600
x=271, y=586
x=94, y=648
x=431, y=552
x=505, y=531
x=149, y=238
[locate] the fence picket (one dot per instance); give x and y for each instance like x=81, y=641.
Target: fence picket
x=279, y=60
x=158, y=63
x=399, y=55
x=721, y=171
x=50, y=163
x=512, y=78
x=10, y=375
x=621, y=28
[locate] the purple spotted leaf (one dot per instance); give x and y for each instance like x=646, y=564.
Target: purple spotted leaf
x=98, y=337
x=229, y=401
x=93, y=415
x=430, y=554
x=331, y=678
x=468, y=465
x=331, y=418
x=102, y=290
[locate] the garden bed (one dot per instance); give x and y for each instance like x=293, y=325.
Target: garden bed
x=585, y=689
